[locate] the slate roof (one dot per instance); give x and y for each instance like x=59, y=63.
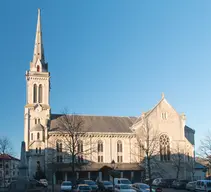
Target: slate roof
x=37, y=127
x=100, y=123
x=199, y=166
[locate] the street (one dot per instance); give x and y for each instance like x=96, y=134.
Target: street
x=57, y=189
x=173, y=190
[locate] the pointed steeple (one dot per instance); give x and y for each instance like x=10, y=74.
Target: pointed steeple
x=38, y=46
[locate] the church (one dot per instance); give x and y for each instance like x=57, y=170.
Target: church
x=114, y=137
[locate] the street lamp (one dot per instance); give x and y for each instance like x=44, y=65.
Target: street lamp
x=113, y=167
x=113, y=164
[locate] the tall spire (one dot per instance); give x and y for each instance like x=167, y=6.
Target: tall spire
x=38, y=46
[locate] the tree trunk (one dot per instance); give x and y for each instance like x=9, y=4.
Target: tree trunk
x=178, y=170
x=73, y=169
x=149, y=173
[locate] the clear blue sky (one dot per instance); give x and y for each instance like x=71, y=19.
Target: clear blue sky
x=109, y=58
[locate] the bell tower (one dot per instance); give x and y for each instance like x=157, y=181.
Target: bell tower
x=37, y=108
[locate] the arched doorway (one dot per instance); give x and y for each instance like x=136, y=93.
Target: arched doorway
x=105, y=172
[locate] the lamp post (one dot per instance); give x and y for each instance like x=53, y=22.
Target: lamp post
x=113, y=167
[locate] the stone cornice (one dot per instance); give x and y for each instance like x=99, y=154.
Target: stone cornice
x=98, y=134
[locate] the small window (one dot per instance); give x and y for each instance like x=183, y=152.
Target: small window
x=7, y=172
x=119, y=159
x=38, y=68
x=32, y=136
x=36, y=150
x=40, y=150
x=164, y=115
x=38, y=135
x=59, y=159
x=100, y=158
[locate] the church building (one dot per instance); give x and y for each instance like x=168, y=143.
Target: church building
x=114, y=137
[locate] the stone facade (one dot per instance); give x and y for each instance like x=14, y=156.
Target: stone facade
x=41, y=135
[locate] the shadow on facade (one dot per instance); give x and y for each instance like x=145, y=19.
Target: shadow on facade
x=170, y=166
x=57, y=167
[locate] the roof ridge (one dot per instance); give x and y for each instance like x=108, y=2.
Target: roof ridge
x=92, y=115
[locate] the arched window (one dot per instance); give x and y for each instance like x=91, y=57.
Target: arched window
x=40, y=150
x=38, y=68
x=40, y=94
x=80, y=146
x=165, y=152
x=32, y=136
x=35, y=93
x=38, y=135
x=100, y=151
x=59, y=146
x=100, y=146
x=119, y=152
x=119, y=147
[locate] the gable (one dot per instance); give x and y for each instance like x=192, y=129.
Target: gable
x=161, y=107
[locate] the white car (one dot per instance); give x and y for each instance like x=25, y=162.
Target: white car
x=123, y=188
x=157, y=181
x=66, y=186
x=141, y=187
x=44, y=182
x=124, y=181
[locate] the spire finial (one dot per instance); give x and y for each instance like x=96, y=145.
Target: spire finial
x=162, y=95
x=38, y=46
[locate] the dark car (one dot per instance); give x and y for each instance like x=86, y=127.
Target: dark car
x=91, y=183
x=180, y=184
x=105, y=186
x=166, y=183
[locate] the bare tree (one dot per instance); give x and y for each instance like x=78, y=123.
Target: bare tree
x=5, y=146
x=205, y=148
x=204, y=151
x=192, y=167
x=177, y=158
x=75, y=146
x=5, y=149
x=51, y=165
x=148, y=142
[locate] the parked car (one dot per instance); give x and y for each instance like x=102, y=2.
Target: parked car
x=119, y=181
x=203, y=185
x=191, y=186
x=141, y=187
x=44, y=182
x=123, y=188
x=91, y=183
x=36, y=183
x=181, y=184
x=105, y=186
x=166, y=183
x=66, y=186
x=82, y=188
x=156, y=181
